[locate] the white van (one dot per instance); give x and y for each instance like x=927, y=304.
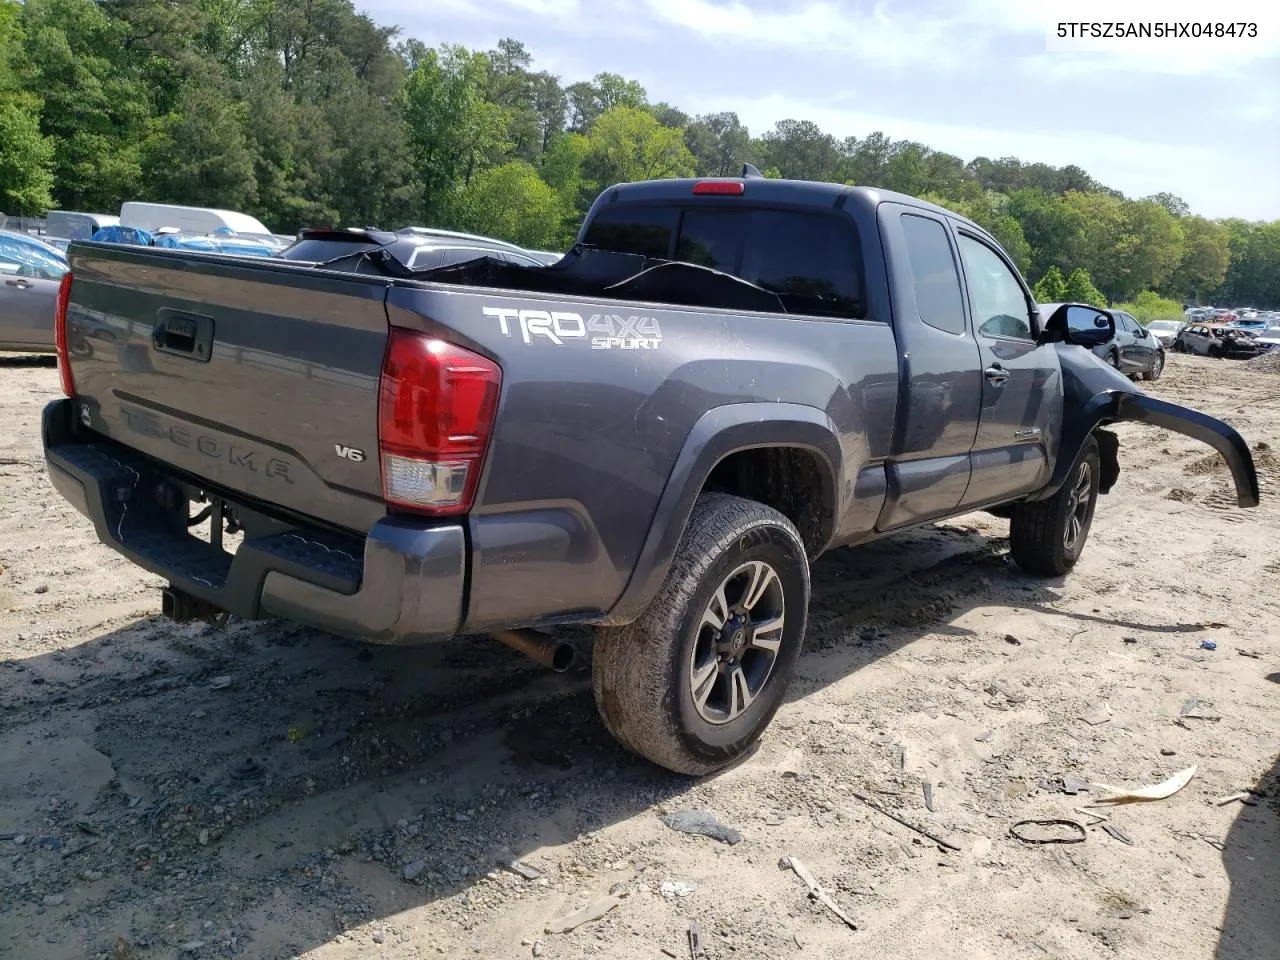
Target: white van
x=154, y=216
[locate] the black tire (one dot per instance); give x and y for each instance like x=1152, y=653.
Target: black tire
x=1038, y=532
x=1157, y=367
x=1113, y=358
x=643, y=672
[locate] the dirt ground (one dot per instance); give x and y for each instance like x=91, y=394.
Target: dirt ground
x=265, y=791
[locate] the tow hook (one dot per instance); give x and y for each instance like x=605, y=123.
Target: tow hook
x=182, y=607
x=540, y=648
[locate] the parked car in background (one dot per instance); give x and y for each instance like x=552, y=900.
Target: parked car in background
x=153, y=217
x=1251, y=324
x=546, y=257
x=416, y=247
x=1166, y=331
x=30, y=271
x=1216, y=340
x=63, y=226
x=1132, y=350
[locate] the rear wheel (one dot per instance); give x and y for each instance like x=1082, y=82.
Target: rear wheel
x=692, y=683
x=1048, y=536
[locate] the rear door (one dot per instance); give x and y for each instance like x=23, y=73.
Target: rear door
x=28, y=290
x=1021, y=414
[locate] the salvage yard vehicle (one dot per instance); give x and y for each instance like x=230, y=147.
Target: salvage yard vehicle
x=30, y=271
x=1218, y=340
x=1166, y=331
x=1133, y=350
x=722, y=380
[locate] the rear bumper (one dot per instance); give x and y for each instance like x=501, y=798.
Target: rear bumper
x=402, y=584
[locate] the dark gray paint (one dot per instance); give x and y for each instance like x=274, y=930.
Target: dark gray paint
x=597, y=455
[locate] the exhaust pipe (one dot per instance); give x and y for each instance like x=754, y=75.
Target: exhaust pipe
x=540, y=648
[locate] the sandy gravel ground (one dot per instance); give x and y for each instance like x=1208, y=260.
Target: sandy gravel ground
x=264, y=791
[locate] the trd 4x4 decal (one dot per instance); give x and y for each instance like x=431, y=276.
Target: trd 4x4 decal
x=606, y=331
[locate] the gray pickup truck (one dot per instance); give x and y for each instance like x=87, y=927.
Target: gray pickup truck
x=655, y=435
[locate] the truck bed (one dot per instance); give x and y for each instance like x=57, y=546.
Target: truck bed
x=259, y=379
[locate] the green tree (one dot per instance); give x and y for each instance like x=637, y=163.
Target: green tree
x=26, y=161
x=1051, y=288
x=628, y=144
x=452, y=127
x=590, y=100
x=719, y=143
x=511, y=202
x=1206, y=255
x=1080, y=289
x=199, y=154
x=801, y=151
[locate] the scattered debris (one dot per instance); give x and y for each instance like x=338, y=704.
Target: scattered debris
x=1246, y=798
x=695, y=940
x=1010, y=639
x=592, y=911
x=1050, y=838
x=816, y=891
x=985, y=736
x=1208, y=645
x=1130, y=639
x=521, y=869
x=219, y=683
x=928, y=796
x=1073, y=785
x=668, y=952
x=49, y=843
x=123, y=950
x=1168, y=752
x=906, y=823
x=54, y=900
x=673, y=887
x=539, y=948
x=1098, y=715
x=1161, y=791
x=701, y=823
x=84, y=826
x=1252, y=654
x=1119, y=833
x=1192, y=709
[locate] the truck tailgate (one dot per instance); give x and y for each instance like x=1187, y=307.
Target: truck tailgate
x=235, y=372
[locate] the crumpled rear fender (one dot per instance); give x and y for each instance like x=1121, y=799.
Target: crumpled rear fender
x=1095, y=394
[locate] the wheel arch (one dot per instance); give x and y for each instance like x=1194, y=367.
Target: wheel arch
x=778, y=453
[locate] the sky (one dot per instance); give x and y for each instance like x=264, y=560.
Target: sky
x=1197, y=118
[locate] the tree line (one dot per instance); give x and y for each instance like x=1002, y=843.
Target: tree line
x=307, y=113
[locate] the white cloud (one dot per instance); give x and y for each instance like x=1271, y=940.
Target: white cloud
x=1215, y=179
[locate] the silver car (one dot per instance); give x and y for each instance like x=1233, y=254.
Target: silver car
x=1166, y=331
x=30, y=271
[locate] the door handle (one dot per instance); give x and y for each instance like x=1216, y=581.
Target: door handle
x=20, y=284
x=996, y=374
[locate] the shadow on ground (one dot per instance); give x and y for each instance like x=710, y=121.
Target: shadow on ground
x=256, y=789
x=1251, y=856
x=27, y=360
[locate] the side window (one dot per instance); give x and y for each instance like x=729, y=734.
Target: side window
x=995, y=295
x=424, y=258
x=461, y=255
x=711, y=238
x=633, y=229
x=812, y=261
x=933, y=269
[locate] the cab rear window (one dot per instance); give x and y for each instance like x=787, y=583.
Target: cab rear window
x=812, y=261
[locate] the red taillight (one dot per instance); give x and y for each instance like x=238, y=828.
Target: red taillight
x=60, y=335
x=722, y=188
x=436, y=405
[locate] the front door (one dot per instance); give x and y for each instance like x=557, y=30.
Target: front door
x=1021, y=415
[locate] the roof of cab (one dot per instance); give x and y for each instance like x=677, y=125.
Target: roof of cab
x=768, y=190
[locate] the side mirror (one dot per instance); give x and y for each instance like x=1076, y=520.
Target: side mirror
x=1080, y=324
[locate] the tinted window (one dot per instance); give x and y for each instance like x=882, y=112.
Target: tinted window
x=934, y=271
x=811, y=261
x=629, y=229
x=711, y=238
x=461, y=255
x=995, y=296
